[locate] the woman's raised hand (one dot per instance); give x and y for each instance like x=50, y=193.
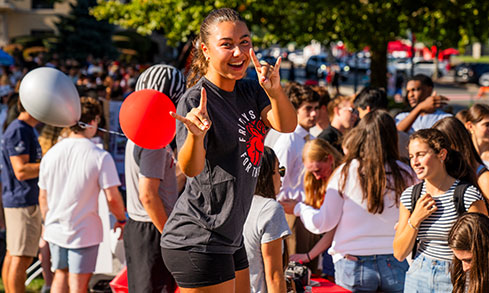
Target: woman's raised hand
x=197, y=120
x=268, y=74
x=424, y=208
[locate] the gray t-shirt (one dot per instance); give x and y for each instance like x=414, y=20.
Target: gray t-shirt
x=210, y=213
x=140, y=162
x=265, y=223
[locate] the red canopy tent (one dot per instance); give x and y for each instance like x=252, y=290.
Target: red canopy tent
x=398, y=46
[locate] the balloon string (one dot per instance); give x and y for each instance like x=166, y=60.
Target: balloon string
x=85, y=125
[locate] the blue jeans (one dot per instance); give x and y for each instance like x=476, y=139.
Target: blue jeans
x=428, y=275
x=371, y=273
x=328, y=266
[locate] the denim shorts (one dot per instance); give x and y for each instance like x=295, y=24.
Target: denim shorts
x=371, y=273
x=76, y=260
x=428, y=275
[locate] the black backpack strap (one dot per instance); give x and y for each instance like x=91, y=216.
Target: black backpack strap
x=458, y=197
x=415, y=195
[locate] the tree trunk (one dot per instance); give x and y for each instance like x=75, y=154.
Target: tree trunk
x=436, y=64
x=378, y=65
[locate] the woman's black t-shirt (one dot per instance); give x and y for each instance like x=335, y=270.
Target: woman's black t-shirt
x=210, y=213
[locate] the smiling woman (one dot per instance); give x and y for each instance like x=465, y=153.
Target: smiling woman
x=222, y=121
x=430, y=217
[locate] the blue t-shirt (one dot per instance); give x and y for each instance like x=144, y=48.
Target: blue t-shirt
x=19, y=139
x=422, y=121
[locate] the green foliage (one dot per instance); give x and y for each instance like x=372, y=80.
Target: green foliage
x=80, y=34
x=452, y=23
x=34, y=286
x=469, y=59
x=358, y=23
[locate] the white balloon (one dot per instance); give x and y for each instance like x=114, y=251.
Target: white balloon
x=51, y=97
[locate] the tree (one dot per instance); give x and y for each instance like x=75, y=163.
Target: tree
x=359, y=23
x=80, y=34
x=451, y=24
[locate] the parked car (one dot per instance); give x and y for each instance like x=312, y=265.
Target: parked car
x=316, y=66
x=362, y=63
x=297, y=57
x=251, y=71
x=470, y=72
x=484, y=79
x=426, y=67
x=269, y=59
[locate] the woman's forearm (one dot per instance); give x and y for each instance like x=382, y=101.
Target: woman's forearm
x=405, y=235
x=272, y=265
x=282, y=116
x=322, y=244
x=192, y=155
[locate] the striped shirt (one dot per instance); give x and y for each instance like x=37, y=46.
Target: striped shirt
x=433, y=231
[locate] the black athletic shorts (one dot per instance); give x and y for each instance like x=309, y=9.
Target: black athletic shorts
x=195, y=269
x=146, y=271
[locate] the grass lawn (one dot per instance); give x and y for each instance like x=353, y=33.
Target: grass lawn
x=469, y=59
x=34, y=286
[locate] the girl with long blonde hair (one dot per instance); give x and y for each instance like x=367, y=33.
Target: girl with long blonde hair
x=320, y=159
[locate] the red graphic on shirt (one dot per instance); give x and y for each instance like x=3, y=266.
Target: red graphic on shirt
x=254, y=144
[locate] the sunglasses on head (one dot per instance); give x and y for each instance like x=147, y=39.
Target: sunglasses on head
x=281, y=171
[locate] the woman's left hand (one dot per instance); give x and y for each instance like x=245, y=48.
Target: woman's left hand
x=289, y=205
x=268, y=74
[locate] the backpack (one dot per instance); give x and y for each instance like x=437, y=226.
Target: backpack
x=458, y=202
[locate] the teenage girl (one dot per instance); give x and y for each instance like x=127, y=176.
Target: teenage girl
x=441, y=168
x=469, y=242
x=362, y=204
x=223, y=121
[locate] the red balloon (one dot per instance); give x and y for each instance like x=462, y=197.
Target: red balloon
x=145, y=119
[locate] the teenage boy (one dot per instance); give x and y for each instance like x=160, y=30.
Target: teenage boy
x=425, y=105
x=343, y=117
x=21, y=154
x=288, y=146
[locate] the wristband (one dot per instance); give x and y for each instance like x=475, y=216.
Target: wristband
x=122, y=221
x=411, y=225
x=308, y=257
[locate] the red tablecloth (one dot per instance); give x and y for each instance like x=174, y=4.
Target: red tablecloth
x=119, y=285
x=327, y=286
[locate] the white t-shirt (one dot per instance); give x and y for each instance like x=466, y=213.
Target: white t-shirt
x=73, y=172
x=359, y=232
x=288, y=149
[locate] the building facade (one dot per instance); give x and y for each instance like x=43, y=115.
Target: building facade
x=29, y=17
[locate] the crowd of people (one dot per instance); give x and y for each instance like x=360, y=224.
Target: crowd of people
x=258, y=175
